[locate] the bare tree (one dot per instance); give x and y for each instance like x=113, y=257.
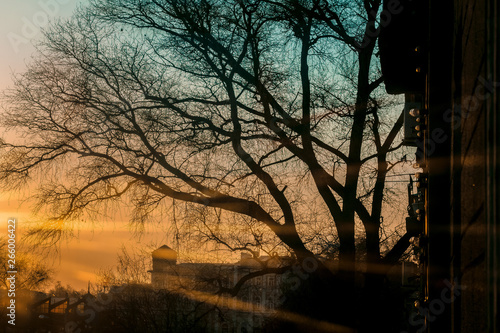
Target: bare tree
x=131, y=268
x=269, y=112
x=135, y=306
x=32, y=274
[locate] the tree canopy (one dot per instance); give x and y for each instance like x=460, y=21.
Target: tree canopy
x=270, y=111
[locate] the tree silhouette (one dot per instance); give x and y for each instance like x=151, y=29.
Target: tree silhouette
x=237, y=106
x=32, y=273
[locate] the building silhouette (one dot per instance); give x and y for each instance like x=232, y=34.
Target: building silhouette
x=247, y=311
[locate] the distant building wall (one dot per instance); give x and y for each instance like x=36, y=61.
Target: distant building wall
x=255, y=301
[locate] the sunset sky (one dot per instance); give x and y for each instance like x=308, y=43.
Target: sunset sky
x=77, y=260
x=96, y=248
x=19, y=25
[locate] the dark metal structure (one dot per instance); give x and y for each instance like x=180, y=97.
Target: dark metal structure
x=457, y=139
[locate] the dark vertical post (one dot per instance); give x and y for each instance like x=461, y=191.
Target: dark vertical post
x=438, y=154
x=493, y=167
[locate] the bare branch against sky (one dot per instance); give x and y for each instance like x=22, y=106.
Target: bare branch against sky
x=262, y=125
